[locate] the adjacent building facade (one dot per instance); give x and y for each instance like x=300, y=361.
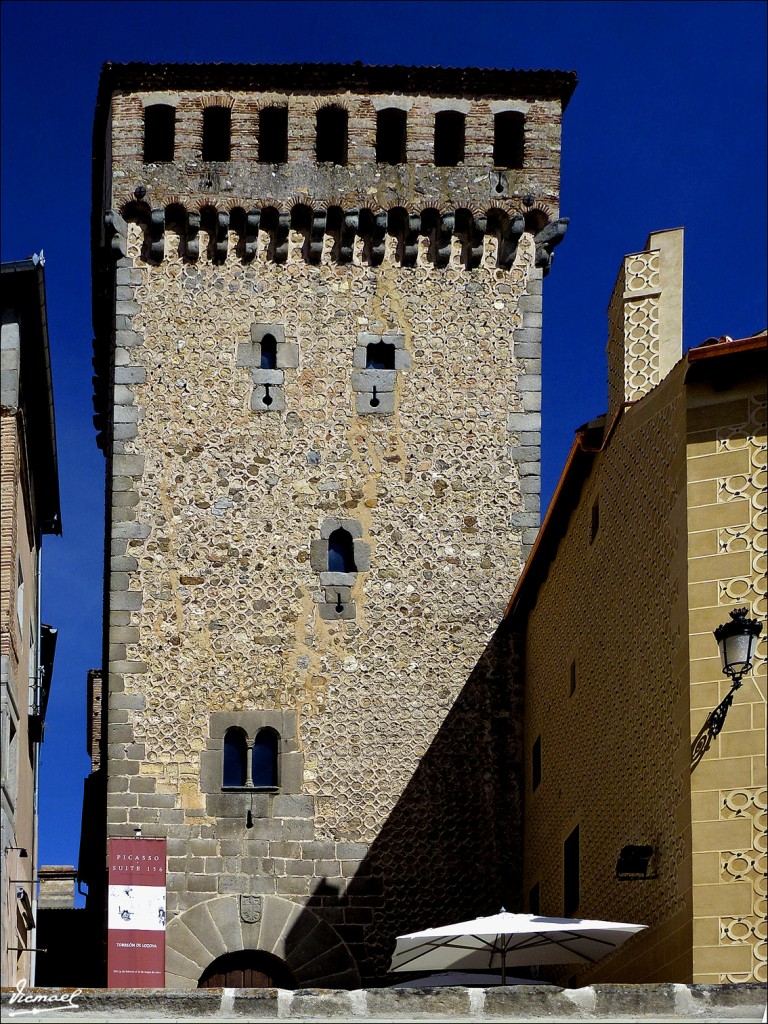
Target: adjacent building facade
x=29, y=509
x=655, y=534
x=317, y=303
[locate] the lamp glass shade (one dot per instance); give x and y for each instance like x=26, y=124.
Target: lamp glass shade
x=737, y=640
x=736, y=651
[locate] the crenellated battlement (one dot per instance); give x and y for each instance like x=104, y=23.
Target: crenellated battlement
x=457, y=237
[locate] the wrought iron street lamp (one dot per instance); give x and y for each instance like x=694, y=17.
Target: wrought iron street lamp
x=737, y=640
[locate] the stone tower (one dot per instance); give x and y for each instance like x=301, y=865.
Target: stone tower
x=317, y=304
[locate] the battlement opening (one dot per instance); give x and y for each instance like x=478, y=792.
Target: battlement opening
x=273, y=135
x=449, y=138
x=159, y=133
x=391, y=136
x=217, y=124
x=509, y=139
x=331, y=138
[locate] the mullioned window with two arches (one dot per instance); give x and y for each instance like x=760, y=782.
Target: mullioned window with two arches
x=250, y=764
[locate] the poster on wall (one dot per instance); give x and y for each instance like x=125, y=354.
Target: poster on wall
x=136, y=913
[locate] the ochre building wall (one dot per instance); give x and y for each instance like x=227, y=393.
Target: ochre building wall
x=611, y=618
x=726, y=551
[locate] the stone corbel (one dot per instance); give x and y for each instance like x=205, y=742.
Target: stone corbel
x=316, y=236
x=509, y=240
x=547, y=239
x=157, y=235
x=116, y=234
x=411, y=240
x=476, y=241
x=445, y=231
x=280, y=244
x=251, y=236
x=378, y=236
x=350, y=227
x=221, y=236
x=192, y=246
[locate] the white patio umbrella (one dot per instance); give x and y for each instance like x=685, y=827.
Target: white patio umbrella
x=505, y=940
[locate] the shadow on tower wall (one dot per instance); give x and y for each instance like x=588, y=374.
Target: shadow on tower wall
x=451, y=849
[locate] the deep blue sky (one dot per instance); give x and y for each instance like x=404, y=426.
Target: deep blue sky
x=666, y=129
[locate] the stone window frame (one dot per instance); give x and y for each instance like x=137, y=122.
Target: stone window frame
x=446, y=135
x=336, y=587
x=216, y=132
x=152, y=132
x=392, y=127
x=375, y=389
x=509, y=155
x=268, y=384
x=325, y=132
x=268, y=149
x=247, y=765
x=237, y=801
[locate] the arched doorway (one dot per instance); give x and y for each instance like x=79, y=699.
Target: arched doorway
x=247, y=968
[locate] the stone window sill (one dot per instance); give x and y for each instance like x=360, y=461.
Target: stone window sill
x=250, y=789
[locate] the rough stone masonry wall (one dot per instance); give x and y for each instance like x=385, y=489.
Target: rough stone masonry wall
x=215, y=508
x=391, y=752
x=362, y=181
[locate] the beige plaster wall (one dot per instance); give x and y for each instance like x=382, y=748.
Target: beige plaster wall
x=726, y=454
x=16, y=545
x=615, y=753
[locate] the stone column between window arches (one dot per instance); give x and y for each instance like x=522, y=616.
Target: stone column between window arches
x=335, y=598
x=223, y=803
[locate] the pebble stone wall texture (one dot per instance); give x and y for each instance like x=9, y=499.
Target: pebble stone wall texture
x=215, y=606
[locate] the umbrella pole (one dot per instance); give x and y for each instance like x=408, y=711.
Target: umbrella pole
x=503, y=959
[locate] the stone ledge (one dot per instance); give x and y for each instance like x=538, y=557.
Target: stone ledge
x=515, y=1003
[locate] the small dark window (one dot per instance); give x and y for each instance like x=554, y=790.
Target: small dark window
x=534, y=900
x=273, y=135
x=536, y=763
x=571, y=895
x=573, y=679
x=331, y=139
x=449, y=138
x=391, y=135
x=269, y=352
x=341, y=552
x=217, y=123
x=159, y=133
x=594, y=524
x=508, y=139
x=235, y=757
x=264, y=763
x=380, y=356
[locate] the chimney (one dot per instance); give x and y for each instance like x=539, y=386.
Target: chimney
x=645, y=318
x=57, y=887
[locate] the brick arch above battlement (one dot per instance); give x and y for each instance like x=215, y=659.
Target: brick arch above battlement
x=219, y=230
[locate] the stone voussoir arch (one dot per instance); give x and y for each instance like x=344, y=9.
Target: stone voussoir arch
x=310, y=948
